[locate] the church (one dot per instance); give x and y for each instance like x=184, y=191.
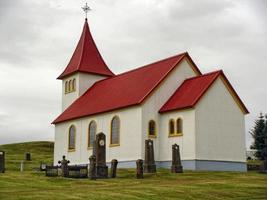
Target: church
x=169, y=101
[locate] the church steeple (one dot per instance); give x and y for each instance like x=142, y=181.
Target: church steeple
x=86, y=57
x=85, y=67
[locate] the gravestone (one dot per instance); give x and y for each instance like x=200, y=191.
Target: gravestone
x=263, y=166
x=42, y=166
x=113, y=169
x=100, y=153
x=22, y=165
x=94, y=147
x=92, y=168
x=139, y=169
x=149, y=166
x=64, y=166
x=28, y=157
x=51, y=171
x=2, y=162
x=176, y=160
x=78, y=171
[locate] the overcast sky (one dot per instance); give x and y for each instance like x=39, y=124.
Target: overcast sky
x=38, y=37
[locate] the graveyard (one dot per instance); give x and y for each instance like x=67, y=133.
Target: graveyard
x=33, y=184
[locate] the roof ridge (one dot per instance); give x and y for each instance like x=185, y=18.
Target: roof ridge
x=83, y=41
x=146, y=65
x=203, y=75
x=208, y=86
x=163, y=77
x=138, y=68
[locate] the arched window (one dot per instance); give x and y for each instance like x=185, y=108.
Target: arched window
x=171, y=127
x=66, y=87
x=74, y=84
x=179, y=125
x=72, y=135
x=91, y=133
x=70, y=85
x=152, y=128
x=115, y=131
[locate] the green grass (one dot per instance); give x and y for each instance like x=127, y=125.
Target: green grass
x=15, y=153
x=254, y=162
x=15, y=185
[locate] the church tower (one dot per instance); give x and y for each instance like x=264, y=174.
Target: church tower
x=85, y=67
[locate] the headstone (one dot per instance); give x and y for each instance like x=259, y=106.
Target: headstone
x=51, y=171
x=92, y=168
x=2, y=162
x=78, y=171
x=94, y=147
x=150, y=166
x=263, y=166
x=28, y=156
x=139, y=169
x=64, y=166
x=176, y=160
x=21, y=166
x=113, y=169
x=100, y=153
x=42, y=166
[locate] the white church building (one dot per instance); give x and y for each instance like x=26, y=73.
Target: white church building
x=169, y=101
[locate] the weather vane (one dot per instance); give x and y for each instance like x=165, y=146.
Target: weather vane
x=86, y=9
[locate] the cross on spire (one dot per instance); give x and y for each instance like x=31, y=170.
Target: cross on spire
x=86, y=9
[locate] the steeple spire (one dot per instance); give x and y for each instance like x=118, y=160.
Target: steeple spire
x=86, y=57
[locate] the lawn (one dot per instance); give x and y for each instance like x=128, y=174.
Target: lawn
x=32, y=184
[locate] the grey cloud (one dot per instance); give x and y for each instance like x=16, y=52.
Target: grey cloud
x=39, y=38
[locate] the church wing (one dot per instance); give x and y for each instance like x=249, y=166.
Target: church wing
x=193, y=89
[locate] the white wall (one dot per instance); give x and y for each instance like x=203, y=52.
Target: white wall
x=220, y=126
x=130, y=136
x=83, y=82
x=87, y=80
x=186, y=141
x=152, y=105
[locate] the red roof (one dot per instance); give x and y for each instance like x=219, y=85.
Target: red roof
x=86, y=57
x=192, y=89
x=123, y=90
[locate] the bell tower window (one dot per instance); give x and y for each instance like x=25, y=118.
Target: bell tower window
x=66, y=87
x=70, y=86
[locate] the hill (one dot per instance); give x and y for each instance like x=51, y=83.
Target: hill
x=15, y=153
x=33, y=184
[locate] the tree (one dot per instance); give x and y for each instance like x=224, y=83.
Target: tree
x=258, y=135
x=265, y=132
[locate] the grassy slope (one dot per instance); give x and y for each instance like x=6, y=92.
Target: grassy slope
x=15, y=153
x=29, y=185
